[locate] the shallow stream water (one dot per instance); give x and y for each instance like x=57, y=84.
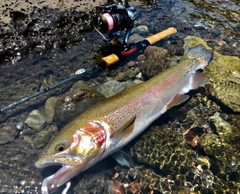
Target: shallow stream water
x=215, y=21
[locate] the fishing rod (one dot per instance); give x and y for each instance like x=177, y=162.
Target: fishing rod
x=107, y=61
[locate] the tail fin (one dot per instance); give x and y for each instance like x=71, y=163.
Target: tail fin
x=201, y=51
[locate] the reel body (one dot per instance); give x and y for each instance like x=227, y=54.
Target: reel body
x=113, y=20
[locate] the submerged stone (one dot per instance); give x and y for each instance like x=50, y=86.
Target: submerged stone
x=41, y=139
x=34, y=27
x=223, y=128
x=156, y=61
x=75, y=102
x=111, y=87
x=49, y=109
x=7, y=133
x=126, y=75
x=35, y=121
x=164, y=149
x=225, y=75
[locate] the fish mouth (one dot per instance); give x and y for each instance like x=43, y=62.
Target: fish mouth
x=68, y=160
x=56, y=180
x=62, y=176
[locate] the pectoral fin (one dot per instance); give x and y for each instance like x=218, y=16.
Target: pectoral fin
x=123, y=159
x=178, y=99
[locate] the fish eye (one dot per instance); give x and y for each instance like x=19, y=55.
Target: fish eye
x=60, y=147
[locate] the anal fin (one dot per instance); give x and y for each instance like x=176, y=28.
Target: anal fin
x=178, y=99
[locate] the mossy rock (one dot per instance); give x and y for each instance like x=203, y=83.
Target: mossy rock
x=225, y=75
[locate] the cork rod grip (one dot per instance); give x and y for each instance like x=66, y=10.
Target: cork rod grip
x=110, y=59
x=155, y=38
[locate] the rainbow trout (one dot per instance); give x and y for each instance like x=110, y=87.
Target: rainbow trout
x=108, y=126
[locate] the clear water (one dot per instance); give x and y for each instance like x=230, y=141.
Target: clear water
x=216, y=21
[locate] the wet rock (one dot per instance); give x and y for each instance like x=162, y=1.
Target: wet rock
x=111, y=87
x=224, y=72
x=157, y=148
x=19, y=125
x=35, y=121
x=126, y=75
x=76, y=101
x=156, y=61
x=210, y=143
x=131, y=64
x=141, y=30
x=141, y=58
x=8, y=133
x=114, y=187
x=49, y=109
x=33, y=27
x=199, y=125
x=20, y=147
x=41, y=139
x=134, y=188
x=135, y=38
x=139, y=75
x=224, y=155
x=46, y=80
x=28, y=132
x=91, y=184
x=222, y=127
x=153, y=183
x=191, y=138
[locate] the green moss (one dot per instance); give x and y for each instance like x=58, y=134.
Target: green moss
x=225, y=75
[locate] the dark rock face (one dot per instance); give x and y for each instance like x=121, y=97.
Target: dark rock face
x=35, y=27
x=42, y=30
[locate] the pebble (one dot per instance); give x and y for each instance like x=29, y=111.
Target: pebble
x=41, y=139
x=19, y=125
x=135, y=38
x=139, y=75
x=141, y=57
x=131, y=64
x=134, y=188
x=27, y=132
x=35, y=121
x=123, y=76
x=111, y=87
x=141, y=30
x=49, y=109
